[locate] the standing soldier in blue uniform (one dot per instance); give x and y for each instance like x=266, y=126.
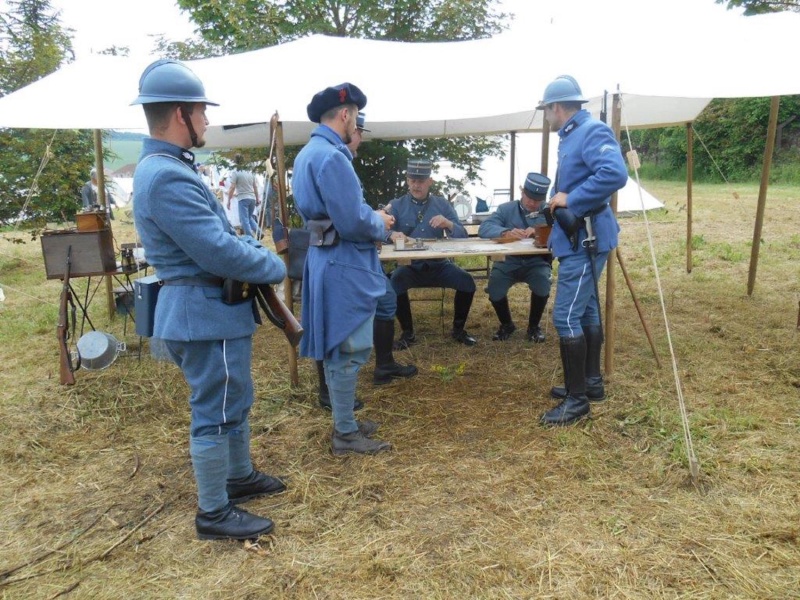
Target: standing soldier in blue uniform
x=517, y=220
x=590, y=170
x=342, y=278
x=192, y=247
x=386, y=368
x=419, y=214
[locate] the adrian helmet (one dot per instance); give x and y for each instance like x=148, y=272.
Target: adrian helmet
x=168, y=80
x=563, y=88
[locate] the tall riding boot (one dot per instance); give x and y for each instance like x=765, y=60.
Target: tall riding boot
x=507, y=326
x=217, y=518
x=324, y=395
x=595, y=390
x=461, y=305
x=575, y=405
x=407, y=337
x=385, y=367
x=538, y=304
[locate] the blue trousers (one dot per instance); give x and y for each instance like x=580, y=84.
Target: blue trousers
x=432, y=273
x=341, y=375
x=387, y=304
x=576, y=300
x=246, y=220
x=536, y=273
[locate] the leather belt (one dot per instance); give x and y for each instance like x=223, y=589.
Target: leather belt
x=196, y=281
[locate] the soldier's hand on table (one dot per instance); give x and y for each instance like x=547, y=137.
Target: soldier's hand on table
x=530, y=232
x=441, y=222
x=397, y=235
x=517, y=234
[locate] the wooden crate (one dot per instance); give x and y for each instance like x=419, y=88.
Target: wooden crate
x=92, y=253
x=92, y=221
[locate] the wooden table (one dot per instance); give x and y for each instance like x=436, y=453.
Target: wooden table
x=459, y=248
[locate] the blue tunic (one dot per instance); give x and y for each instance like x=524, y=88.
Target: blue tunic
x=590, y=169
x=342, y=283
x=185, y=233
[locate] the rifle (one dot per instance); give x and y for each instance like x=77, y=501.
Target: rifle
x=62, y=330
x=278, y=313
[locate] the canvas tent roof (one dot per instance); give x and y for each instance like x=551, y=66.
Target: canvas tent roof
x=459, y=88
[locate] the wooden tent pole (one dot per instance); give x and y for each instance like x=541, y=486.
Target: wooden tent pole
x=689, y=178
x=276, y=129
x=611, y=312
x=639, y=310
x=101, y=198
x=545, y=146
x=513, y=164
x=762, y=192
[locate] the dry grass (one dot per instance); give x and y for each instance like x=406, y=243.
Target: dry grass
x=476, y=500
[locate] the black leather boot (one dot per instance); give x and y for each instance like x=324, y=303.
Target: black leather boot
x=461, y=305
x=507, y=326
x=324, y=395
x=595, y=389
x=407, y=337
x=538, y=304
x=231, y=523
x=575, y=405
x=386, y=368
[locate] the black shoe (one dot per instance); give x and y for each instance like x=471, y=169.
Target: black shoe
x=406, y=340
x=231, y=523
x=505, y=331
x=595, y=390
x=255, y=485
x=385, y=373
x=571, y=410
x=367, y=428
x=325, y=401
x=536, y=335
x=462, y=337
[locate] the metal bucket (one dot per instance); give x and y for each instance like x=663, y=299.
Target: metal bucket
x=98, y=350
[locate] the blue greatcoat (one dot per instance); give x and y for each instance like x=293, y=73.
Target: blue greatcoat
x=341, y=283
x=590, y=169
x=185, y=233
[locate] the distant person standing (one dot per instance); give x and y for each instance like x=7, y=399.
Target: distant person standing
x=242, y=183
x=590, y=170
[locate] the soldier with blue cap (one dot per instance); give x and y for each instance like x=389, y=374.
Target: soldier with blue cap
x=420, y=214
x=191, y=245
x=518, y=220
x=590, y=170
x=342, y=277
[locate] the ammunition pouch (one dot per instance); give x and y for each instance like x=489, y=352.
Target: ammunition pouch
x=236, y=292
x=322, y=233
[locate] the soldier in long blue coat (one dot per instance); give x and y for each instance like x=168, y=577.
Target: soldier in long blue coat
x=590, y=170
x=342, y=279
x=419, y=214
x=518, y=220
x=191, y=245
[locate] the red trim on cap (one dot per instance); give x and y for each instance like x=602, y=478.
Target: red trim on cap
x=342, y=96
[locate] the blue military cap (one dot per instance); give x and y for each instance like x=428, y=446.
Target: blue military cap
x=360, y=122
x=337, y=95
x=536, y=185
x=419, y=168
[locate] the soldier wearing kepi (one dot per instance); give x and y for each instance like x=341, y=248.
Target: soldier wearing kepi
x=419, y=214
x=518, y=220
x=342, y=277
x=590, y=170
x=192, y=247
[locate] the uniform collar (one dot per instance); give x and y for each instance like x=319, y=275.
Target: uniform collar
x=574, y=122
x=152, y=145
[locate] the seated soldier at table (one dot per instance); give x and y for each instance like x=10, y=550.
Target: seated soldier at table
x=419, y=214
x=517, y=220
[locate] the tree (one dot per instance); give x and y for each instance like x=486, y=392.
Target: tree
x=33, y=44
x=760, y=7
x=241, y=25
